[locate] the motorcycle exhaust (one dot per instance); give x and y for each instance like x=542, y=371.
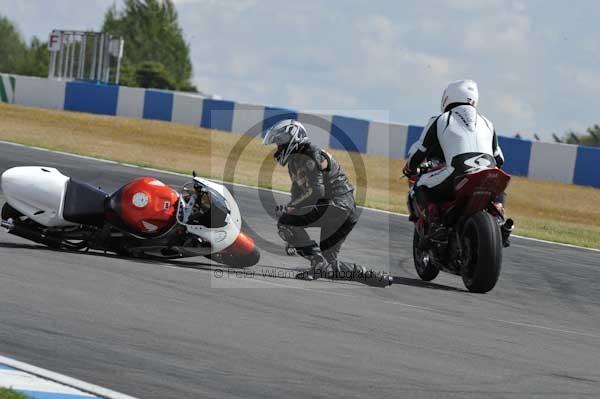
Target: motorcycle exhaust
x=31, y=235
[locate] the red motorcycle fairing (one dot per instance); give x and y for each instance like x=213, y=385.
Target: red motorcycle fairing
x=480, y=187
x=243, y=245
x=242, y=253
x=146, y=206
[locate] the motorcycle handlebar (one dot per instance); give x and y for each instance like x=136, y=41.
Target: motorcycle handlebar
x=422, y=169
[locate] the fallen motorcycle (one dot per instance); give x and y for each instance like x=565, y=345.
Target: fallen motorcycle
x=144, y=218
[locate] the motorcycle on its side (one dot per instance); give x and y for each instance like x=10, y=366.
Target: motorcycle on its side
x=469, y=232
x=144, y=218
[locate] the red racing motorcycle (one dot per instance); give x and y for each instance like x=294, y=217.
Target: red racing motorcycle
x=144, y=218
x=464, y=236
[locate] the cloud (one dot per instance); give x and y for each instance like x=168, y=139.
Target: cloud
x=533, y=69
x=504, y=33
x=584, y=79
x=520, y=113
x=315, y=98
x=471, y=5
x=236, y=5
x=383, y=59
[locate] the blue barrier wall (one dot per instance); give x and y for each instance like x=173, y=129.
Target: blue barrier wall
x=217, y=114
x=349, y=134
x=414, y=132
x=158, y=105
x=570, y=164
x=91, y=97
x=586, y=167
x=517, y=154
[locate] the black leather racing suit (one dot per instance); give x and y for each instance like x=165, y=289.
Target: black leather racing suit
x=322, y=196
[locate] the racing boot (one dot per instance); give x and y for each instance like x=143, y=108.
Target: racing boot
x=438, y=233
x=507, y=225
x=318, y=268
x=506, y=229
x=412, y=213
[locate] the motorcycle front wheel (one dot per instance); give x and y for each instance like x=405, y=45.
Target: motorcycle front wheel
x=482, y=253
x=425, y=268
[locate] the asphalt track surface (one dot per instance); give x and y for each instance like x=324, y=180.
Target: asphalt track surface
x=184, y=330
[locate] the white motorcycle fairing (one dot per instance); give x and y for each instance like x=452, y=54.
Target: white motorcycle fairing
x=220, y=237
x=37, y=192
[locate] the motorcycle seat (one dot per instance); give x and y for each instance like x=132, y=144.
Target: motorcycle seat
x=84, y=204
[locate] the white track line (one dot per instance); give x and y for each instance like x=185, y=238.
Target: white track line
x=22, y=381
x=260, y=188
x=64, y=380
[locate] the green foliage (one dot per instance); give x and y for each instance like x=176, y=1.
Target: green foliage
x=19, y=58
x=591, y=138
x=155, y=51
x=35, y=60
x=10, y=394
x=12, y=46
x=156, y=54
x=153, y=75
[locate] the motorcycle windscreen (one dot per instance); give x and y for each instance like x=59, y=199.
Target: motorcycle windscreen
x=214, y=217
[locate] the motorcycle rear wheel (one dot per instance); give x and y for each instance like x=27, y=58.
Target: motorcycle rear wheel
x=8, y=212
x=425, y=268
x=482, y=250
x=30, y=230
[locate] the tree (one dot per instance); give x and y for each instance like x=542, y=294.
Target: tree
x=12, y=46
x=35, y=61
x=153, y=75
x=592, y=138
x=152, y=34
x=18, y=57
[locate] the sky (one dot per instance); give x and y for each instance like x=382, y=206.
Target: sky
x=537, y=62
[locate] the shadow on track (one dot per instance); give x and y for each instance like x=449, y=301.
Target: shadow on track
x=14, y=245
x=413, y=282
x=289, y=274
x=265, y=271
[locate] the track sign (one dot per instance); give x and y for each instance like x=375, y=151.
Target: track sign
x=116, y=48
x=54, y=41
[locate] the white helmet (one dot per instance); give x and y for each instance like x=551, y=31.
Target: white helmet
x=461, y=91
x=288, y=135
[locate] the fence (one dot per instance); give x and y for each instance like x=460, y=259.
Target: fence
x=539, y=160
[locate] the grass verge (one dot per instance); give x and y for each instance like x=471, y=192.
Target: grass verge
x=546, y=210
x=6, y=393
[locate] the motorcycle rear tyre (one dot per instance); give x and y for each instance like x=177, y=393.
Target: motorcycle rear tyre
x=481, y=234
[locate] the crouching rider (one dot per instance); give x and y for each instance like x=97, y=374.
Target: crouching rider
x=322, y=196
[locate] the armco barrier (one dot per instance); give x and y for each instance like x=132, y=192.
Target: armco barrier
x=539, y=160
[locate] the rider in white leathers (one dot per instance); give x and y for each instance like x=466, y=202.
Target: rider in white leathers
x=460, y=137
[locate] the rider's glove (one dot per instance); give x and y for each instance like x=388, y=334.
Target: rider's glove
x=280, y=210
x=407, y=171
